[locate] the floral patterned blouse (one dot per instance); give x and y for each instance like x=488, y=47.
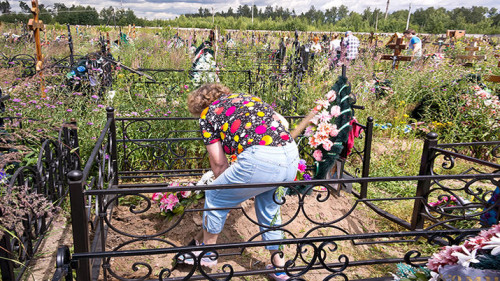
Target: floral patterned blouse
x=240, y=121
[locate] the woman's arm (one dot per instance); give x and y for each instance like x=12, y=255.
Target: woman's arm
x=218, y=159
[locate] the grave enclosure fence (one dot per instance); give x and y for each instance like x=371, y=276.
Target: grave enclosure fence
x=111, y=190
x=18, y=246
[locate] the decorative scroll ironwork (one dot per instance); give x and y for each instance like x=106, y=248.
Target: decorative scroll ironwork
x=322, y=245
x=48, y=179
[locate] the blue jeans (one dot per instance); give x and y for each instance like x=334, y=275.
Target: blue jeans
x=257, y=164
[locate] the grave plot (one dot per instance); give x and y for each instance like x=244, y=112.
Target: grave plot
x=130, y=239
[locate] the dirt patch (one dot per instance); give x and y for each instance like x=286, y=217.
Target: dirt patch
x=307, y=223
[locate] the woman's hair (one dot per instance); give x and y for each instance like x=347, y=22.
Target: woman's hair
x=409, y=31
x=202, y=97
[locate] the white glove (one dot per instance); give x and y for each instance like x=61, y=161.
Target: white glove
x=207, y=178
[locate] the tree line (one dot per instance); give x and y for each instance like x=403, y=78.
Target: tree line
x=476, y=19
x=74, y=15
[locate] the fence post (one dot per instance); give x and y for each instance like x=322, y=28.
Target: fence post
x=6, y=265
x=426, y=163
x=367, y=156
x=112, y=129
x=249, y=72
x=79, y=223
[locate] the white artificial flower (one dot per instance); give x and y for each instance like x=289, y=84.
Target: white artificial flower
x=467, y=257
x=434, y=276
x=494, y=245
x=111, y=95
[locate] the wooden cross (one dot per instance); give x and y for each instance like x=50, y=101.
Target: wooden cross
x=472, y=48
x=396, y=44
x=372, y=39
x=108, y=44
x=36, y=25
x=494, y=78
x=440, y=43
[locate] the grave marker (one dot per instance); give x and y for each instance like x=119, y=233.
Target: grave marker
x=36, y=25
x=471, y=49
x=70, y=45
x=440, y=43
x=494, y=78
x=396, y=43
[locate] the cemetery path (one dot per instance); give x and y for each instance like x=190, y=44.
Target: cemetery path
x=44, y=262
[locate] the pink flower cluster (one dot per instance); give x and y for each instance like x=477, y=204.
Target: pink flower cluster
x=168, y=201
x=481, y=102
x=447, y=201
x=322, y=128
x=487, y=239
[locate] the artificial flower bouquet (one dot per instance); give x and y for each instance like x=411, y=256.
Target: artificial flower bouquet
x=478, y=257
x=174, y=203
x=322, y=129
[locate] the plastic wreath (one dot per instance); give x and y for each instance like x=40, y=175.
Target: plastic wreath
x=481, y=252
x=329, y=129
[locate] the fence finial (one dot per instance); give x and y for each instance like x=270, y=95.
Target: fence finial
x=432, y=136
x=75, y=175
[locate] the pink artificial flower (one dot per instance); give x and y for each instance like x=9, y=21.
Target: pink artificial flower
x=302, y=167
x=334, y=132
x=185, y=194
x=335, y=111
x=313, y=142
x=324, y=116
x=171, y=201
x=483, y=94
x=327, y=145
x=323, y=129
x=318, y=155
x=331, y=95
x=156, y=196
x=323, y=103
x=164, y=199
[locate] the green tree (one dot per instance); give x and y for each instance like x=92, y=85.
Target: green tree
x=5, y=7
x=24, y=7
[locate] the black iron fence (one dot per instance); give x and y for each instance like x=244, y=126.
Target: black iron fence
x=56, y=158
x=118, y=233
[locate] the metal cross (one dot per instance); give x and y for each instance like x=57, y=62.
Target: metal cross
x=36, y=25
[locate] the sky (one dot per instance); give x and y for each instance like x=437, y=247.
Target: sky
x=167, y=9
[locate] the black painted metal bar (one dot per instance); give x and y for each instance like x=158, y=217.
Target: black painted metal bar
x=467, y=158
x=479, y=143
x=95, y=150
x=367, y=156
x=112, y=138
x=79, y=223
x=156, y=187
x=426, y=162
x=308, y=240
